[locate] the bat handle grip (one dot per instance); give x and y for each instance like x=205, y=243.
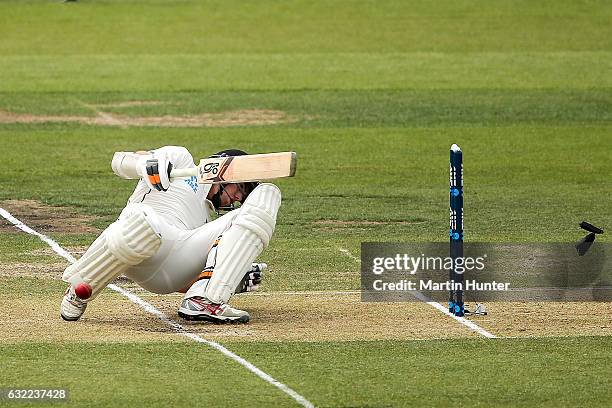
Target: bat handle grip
x=188, y=172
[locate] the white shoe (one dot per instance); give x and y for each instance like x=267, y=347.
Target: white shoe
x=197, y=308
x=72, y=307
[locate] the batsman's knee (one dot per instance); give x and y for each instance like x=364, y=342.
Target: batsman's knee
x=127, y=242
x=134, y=237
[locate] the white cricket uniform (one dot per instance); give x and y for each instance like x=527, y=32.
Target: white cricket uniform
x=183, y=219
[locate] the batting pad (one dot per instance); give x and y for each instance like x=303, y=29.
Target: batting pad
x=249, y=234
x=127, y=242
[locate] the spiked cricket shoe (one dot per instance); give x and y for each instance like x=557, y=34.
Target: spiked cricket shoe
x=197, y=308
x=72, y=307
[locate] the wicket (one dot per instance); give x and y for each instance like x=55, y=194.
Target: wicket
x=455, y=300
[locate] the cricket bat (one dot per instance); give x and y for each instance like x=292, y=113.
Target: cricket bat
x=238, y=169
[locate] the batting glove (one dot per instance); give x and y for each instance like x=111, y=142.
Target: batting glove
x=252, y=279
x=156, y=172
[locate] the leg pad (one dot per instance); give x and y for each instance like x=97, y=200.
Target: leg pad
x=127, y=242
x=240, y=245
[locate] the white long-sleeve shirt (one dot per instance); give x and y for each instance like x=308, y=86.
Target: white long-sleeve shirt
x=184, y=205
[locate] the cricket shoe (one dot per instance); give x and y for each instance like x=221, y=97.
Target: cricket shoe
x=197, y=308
x=72, y=307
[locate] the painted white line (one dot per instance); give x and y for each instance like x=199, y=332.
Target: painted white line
x=171, y=323
x=461, y=320
x=54, y=245
x=182, y=331
x=473, y=326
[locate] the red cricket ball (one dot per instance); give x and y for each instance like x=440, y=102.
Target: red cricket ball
x=83, y=290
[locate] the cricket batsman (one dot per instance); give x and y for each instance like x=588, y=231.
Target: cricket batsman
x=166, y=241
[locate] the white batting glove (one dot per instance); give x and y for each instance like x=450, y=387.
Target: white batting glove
x=155, y=171
x=252, y=279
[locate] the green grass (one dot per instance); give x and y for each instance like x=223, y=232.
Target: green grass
x=42, y=286
x=344, y=108
x=193, y=45
x=290, y=71
x=96, y=375
x=17, y=247
x=206, y=27
x=477, y=373
x=378, y=91
x=523, y=183
x=440, y=373
x=378, y=174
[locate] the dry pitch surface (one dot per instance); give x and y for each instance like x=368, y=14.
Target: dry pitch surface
x=276, y=316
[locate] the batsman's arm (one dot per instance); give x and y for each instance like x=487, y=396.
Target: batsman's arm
x=153, y=166
x=126, y=164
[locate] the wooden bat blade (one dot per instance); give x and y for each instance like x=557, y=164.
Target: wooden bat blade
x=236, y=169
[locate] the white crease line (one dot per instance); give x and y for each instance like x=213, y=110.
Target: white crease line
x=54, y=245
x=473, y=326
x=444, y=310
x=174, y=325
